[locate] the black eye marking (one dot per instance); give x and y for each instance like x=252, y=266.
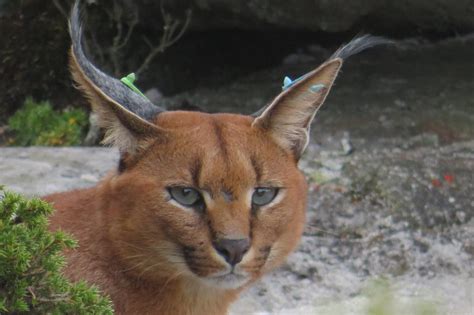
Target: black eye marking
x=188, y=197
x=122, y=166
x=189, y=249
x=258, y=168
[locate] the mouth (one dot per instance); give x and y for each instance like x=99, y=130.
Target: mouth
x=230, y=280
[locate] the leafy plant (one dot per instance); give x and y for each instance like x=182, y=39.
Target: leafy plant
x=382, y=301
x=31, y=261
x=39, y=124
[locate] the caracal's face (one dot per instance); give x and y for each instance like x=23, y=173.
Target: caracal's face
x=216, y=200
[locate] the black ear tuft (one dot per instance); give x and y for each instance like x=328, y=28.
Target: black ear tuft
x=287, y=120
x=359, y=44
x=125, y=116
x=110, y=86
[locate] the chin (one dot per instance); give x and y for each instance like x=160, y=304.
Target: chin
x=228, y=281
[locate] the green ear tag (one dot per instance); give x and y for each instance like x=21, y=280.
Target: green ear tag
x=128, y=81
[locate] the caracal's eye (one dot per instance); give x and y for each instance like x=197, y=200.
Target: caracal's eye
x=186, y=196
x=263, y=195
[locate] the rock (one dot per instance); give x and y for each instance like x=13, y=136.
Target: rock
x=94, y=132
x=335, y=15
x=298, y=58
x=346, y=144
x=39, y=171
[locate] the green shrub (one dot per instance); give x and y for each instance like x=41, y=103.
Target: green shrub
x=38, y=124
x=382, y=300
x=30, y=264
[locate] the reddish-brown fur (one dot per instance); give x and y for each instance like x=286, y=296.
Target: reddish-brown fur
x=125, y=226
x=152, y=254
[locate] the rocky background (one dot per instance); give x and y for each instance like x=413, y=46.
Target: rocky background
x=390, y=164
x=223, y=40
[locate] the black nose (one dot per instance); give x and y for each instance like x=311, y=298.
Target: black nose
x=232, y=249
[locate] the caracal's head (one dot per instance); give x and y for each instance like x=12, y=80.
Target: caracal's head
x=217, y=199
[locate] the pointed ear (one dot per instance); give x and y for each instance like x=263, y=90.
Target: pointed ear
x=288, y=118
x=123, y=114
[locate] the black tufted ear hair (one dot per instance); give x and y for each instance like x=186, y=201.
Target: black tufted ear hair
x=124, y=115
x=287, y=119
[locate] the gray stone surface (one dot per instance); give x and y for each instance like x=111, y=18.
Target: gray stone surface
x=38, y=171
x=372, y=214
x=310, y=15
x=335, y=15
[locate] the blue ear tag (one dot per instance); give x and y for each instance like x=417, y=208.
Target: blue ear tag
x=316, y=88
x=286, y=83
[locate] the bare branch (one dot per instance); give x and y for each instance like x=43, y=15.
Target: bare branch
x=183, y=29
x=131, y=27
x=61, y=9
x=169, y=36
x=117, y=18
x=121, y=39
x=30, y=289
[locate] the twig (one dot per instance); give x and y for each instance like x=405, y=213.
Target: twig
x=168, y=38
x=131, y=27
x=116, y=16
x=30, y=289
x=61, y=9
x=120, y=40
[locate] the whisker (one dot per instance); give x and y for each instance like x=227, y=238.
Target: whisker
x=172, y=277
x=135, y=256
x=135, y=266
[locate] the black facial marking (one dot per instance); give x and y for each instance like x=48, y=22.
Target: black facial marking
x=122, y=165
x=257, y=167
x=220, y=139
x=196, y=167
x=265, y=250
x=189, y=249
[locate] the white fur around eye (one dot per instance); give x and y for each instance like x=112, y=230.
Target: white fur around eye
x=207, y=199
x=168, y=198
x=278, y=198
x=178, y=205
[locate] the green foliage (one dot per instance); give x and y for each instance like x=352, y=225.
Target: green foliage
x=38, y=124
x=380, y=298
x=31, y=260
x=382, y=302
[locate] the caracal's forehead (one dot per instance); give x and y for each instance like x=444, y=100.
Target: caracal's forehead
x=221, y=152
x=186, y=119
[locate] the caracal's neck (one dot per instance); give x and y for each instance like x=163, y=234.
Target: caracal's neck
x=177, y=297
